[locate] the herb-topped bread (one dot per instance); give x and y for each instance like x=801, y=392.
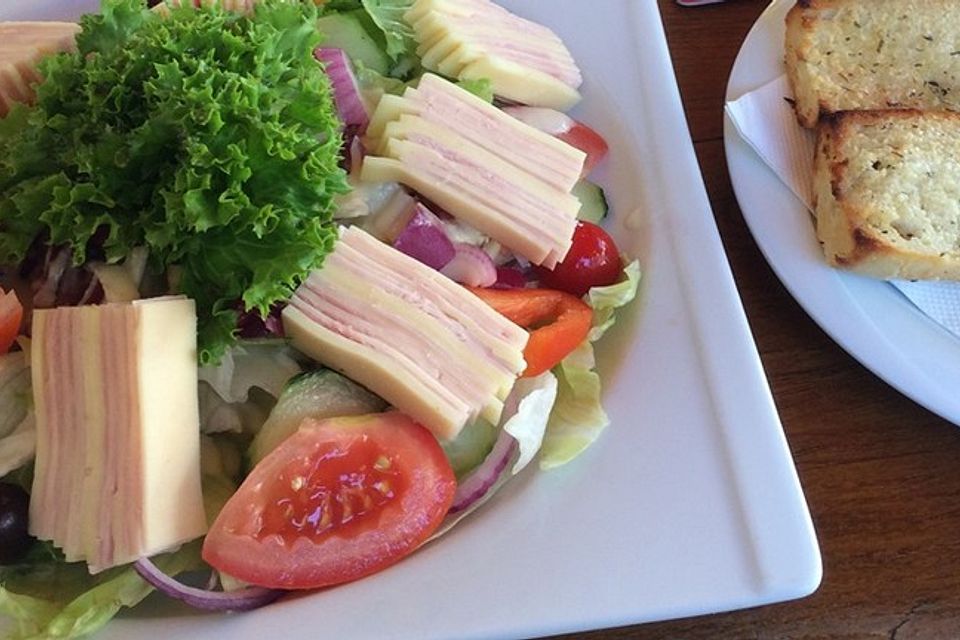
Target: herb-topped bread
x=873, y=54
x=887, y=193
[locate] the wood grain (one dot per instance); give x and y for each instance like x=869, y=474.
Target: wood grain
x=881, y=474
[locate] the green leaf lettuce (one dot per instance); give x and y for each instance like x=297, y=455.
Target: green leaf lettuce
x=60, y=600
x=207, y=136
x=388, y=16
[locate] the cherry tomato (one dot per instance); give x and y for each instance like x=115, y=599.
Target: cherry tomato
x=593, y=261
x=587, y=140
x=340, y=499
x=558, y=322
x=11, y=314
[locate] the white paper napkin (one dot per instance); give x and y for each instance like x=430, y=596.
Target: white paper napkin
x=764, y=119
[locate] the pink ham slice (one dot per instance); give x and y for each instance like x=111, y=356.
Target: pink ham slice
x=413, y=336
x=491, y=28
x=441, y=102
x=486, y=168
x=117, y=473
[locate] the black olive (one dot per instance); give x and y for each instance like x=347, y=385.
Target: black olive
x=14, y=510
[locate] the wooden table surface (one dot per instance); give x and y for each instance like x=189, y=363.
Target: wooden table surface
x=880, y=473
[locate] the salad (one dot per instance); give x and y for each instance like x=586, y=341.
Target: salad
x=333, y=270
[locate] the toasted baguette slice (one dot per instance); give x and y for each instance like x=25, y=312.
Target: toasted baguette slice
x=873, y=54
x=887, y=193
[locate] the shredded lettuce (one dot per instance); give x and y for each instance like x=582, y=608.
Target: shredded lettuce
x=388, y=16
x=208, y=137
x=28, y=613
x=75, y=603
x=480, y=87
x=220, y=470
x=606, y=300
x=267, y=364
x=524, y=418
x=18, y=440
x=374, y=85
x=528, y=425
x=20, y=447
x=578, y=418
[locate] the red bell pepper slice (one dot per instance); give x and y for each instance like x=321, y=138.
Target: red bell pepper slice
x=557, y=321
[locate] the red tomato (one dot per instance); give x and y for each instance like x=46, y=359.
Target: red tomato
x=587, y=140
x=593, y=261
x=11, y=314
x=340, y=499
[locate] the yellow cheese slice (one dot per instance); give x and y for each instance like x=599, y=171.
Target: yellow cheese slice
x=534, y=151
x=368, y=367
x=168, y=415
x=472, y=39
x=422, y=342
x=521, y=84
x=529, y=224
x=117, y=475
x=439, y=101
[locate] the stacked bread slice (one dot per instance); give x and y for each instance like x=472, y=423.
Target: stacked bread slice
x=880, y=81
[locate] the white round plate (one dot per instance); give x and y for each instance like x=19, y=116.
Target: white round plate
x=869, y=318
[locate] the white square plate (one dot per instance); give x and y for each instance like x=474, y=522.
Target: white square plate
x=689, y=503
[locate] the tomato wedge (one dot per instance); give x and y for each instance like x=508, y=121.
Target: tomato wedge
x=560, y=125
x=587, y=140
x=558, y=322
x=11, y=315
x=340, y=499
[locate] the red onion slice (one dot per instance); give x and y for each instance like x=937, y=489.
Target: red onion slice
x=346, y=91
x=425, y=239
x=479, y=481
x=240, y=600
x=509, y=278
x=471, y=266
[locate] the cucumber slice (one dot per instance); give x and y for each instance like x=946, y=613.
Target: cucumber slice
x=593, y=202
x=315, y=394
x=470, y=447
x=346, y=31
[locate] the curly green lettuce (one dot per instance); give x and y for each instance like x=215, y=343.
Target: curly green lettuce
x=207, y=136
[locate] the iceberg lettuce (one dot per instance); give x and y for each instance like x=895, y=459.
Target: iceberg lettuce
x=578, y=418
x=18, y=439
x=529, y=422
x=77, y=604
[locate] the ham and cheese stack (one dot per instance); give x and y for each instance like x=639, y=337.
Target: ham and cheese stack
x=22, y=45
x=494, y=172
x=422, y=342
x=117, y=473
x=476, y=39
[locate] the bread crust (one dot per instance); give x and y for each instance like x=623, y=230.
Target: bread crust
x=874, y=215
x=872, y=54
x=805, y=104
